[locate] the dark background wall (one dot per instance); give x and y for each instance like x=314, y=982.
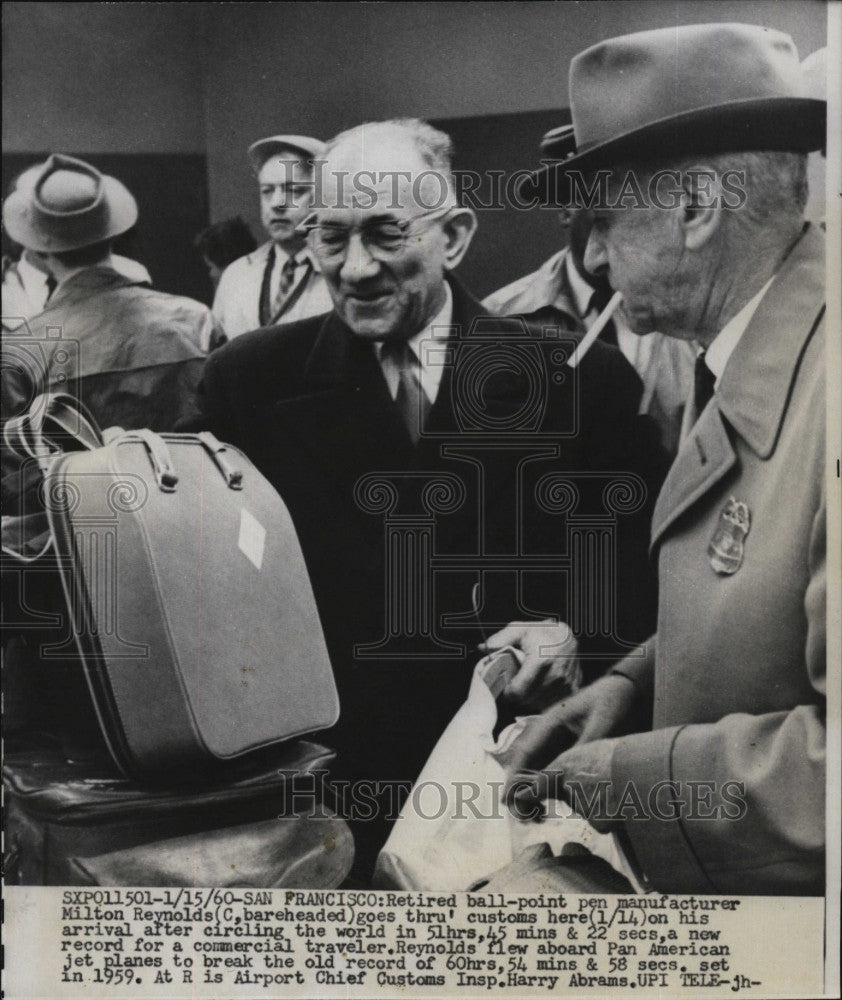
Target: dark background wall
x=168, y=96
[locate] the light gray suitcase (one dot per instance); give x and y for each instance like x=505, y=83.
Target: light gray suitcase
x=193, y=614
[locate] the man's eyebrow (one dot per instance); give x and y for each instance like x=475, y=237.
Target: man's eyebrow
x=374, y=220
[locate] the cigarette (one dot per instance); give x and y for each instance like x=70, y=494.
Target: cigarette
x=584, y=344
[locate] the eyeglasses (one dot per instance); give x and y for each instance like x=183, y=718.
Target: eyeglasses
x=384, y=240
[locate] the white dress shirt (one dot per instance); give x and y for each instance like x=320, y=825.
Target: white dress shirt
x=423, y=346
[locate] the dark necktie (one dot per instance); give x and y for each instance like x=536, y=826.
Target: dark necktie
x=411, y=400
x=703, y=383
x=286, y=288
x=599, y=300
x=271, y=310
x=51, y=287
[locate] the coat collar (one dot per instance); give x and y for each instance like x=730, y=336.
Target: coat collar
x=755, y=387
x=549, y=286
x=90, y=281
x=754, y=390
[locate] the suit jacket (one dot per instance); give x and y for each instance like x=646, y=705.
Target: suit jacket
x=309, y=404
x=236, y=303
x=665, y=366
x=736, y=671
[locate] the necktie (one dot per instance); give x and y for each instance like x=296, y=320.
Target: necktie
x=283, y=297
x=51, y=286
x=703, y=382
x=599, y=300
x=411, y=400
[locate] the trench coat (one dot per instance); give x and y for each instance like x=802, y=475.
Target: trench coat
x=236, y=304
x=736, y=672
x=132, y=354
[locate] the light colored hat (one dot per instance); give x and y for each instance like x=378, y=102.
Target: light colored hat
x=65, y=204
x=703, y=88
x=302, y=145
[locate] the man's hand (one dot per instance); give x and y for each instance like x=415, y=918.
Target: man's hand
x=581, y=776
x=550, y=668
x=568, y=744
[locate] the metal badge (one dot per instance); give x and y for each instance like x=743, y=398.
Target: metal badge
x=727, y=546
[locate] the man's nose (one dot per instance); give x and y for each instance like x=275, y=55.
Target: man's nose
x=595, y=259
x=279, y=198
x=358, y=264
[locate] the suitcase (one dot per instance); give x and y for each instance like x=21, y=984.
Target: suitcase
x=82, y=823
x=190, y=606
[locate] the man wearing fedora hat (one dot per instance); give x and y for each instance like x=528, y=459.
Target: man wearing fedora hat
x=705, y=748
x=278, y=282
x=134, y=355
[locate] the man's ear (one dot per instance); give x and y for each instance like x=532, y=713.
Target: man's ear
x=459, y=228
x=701, y=203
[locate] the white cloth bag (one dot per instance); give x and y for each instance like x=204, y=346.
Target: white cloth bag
x=455, y=828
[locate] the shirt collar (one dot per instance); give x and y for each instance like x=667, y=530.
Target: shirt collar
x=281, y=256
x=30, y=274
x=582, y=291
x=723, y=345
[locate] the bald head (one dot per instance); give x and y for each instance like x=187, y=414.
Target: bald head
x=387, y=226
x=405, y=160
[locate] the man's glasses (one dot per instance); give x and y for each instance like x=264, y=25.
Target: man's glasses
x=384, y=240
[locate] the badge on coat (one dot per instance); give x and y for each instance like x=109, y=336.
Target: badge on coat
x=727, y=546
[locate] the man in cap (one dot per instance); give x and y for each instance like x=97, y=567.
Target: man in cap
x=279, y=281
x=408, y=426
x=133, y=355
x=563, y=293
x=705, y=748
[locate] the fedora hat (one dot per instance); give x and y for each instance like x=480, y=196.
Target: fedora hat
x=703, y=88
x=65, y=204
x=303, y=146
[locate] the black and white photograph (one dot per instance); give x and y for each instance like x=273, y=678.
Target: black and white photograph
x=421, y=505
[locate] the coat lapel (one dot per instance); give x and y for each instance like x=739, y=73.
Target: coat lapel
x=702, y=461
x=344, y=419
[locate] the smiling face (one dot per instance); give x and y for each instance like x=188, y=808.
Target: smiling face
x=395, y=298
x=286, y=194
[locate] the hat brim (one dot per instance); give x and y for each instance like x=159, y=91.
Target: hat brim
x=786, y=124
x=21, y=225
x=300, y=145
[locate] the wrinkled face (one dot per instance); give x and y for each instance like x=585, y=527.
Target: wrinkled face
x=641, y=252
x=286, y=194
x=381, y=299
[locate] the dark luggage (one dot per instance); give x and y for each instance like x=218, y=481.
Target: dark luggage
x=189, y=602
x=78, y=823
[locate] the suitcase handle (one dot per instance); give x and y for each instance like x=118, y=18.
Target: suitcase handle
x=159, y=453
x=233, y=477
x=51, y=423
